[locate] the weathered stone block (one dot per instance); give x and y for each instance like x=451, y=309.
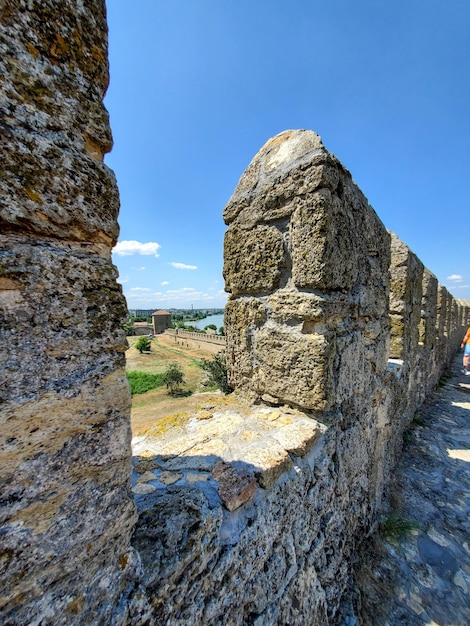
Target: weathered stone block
x=236, y=485
x=397, y=331
x=179, y=524
x=293, y=368
x=318, y=261
x=253, y=260
x=287, y=305
x=353, y=368
x=406, y=292
x=324, y=273
x=56, y=128
x=241, y=319
x=61, y=319
x=270, y=183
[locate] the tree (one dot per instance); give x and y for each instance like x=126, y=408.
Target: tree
x=143, y=344
x=173, y=377
x=221, y=331
x=211, y=326
x=140, y=318
x=217, y=372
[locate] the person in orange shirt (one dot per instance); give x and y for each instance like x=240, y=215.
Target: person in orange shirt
x=466, y=352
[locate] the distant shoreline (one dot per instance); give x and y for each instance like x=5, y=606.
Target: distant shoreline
x=217, y=320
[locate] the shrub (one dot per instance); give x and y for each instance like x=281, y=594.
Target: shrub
x=143, y=344
x=396, y=527
x=141, y=382
x=173, y=377
x=192, y=329
x=217, y=372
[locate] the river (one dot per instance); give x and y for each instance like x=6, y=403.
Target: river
x=217, y=320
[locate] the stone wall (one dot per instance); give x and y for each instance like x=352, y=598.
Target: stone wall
x=219, y=340
x=248, y=511
x=140, y=328
x=281, y=481
x=306, y=262
x=66, y=515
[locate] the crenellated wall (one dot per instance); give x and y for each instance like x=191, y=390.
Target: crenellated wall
x=334, y=337
x=248, y=511
x=204, y=337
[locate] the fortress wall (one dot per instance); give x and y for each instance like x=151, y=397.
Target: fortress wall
x=204, y=337
x=264, y=537
x=249, y=512
x=65, y=511
x=279, y=482
x=308, y=327
x=282, y=481
x=306, y=263
x=406, y=293
x=428, y=368
x=444, y=308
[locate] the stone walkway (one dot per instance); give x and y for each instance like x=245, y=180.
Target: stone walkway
x=424, y=577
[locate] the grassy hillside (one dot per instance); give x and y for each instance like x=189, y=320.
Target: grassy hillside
x=149, y=407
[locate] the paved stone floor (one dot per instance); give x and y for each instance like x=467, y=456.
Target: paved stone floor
x=424, y=577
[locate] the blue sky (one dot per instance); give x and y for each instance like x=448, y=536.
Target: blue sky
x=198, y=86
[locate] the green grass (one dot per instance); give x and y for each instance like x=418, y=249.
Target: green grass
x=141, y=382
x=418, y=421
x=396, y=527
x=192, y=360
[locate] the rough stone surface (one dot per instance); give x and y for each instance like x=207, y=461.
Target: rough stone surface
x=423, y=576
x=55, y=57
x=306, y=263
x=236, y=486
x=262, y=539
x=255, y=257
x=250, y=512
x=65, y=512
x=406, y=292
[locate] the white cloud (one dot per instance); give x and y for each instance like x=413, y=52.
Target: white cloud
x=183, y=266
x=123, y=280
x=139, y=269
x=455, y=278
x=129, y=247
x=182, y=290
x=163, y=283
x=140, y=289
x=178, y=298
